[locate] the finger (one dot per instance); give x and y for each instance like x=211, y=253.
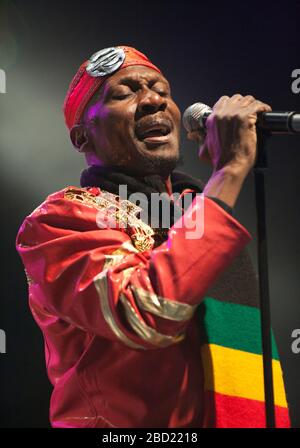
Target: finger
x=254, y=109
x=236, y=97
x=258, y=106
x=221, y=101
x=246, y=100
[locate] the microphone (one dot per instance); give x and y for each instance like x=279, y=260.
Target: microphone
x=195, y=116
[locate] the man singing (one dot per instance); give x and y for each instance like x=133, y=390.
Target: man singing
x=148, y=325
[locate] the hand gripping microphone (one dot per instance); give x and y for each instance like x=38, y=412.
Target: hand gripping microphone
x=195, y=116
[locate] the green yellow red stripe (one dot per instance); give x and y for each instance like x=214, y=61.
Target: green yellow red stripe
x=232, y=325
x=238, y=373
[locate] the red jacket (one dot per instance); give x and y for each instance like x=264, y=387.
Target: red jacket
x=121, y=337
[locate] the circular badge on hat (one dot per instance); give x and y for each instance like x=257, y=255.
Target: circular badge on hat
x=105, y=61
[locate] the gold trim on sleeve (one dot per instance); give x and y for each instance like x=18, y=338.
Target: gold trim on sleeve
x=160, y=306
x=150, y=302
x=146, y=333
x=100, y=282
x=119, y=254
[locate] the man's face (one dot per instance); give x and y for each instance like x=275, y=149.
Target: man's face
x=134, y=123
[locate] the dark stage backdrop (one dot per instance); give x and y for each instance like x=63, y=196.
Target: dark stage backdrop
x=206, y=49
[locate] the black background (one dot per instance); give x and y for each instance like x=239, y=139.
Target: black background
x=205, y=49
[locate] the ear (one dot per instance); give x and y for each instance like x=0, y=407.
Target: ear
x=80, y=138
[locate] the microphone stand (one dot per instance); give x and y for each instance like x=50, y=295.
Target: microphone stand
x=265, y=314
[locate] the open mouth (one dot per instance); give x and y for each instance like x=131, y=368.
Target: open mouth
x=154, y=131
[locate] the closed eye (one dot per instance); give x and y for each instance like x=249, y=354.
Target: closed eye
x=161, y=92
x=121, y=96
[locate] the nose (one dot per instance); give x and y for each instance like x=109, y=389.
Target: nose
x=151, y=102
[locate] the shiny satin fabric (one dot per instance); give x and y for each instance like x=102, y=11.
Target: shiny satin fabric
x=121, y=336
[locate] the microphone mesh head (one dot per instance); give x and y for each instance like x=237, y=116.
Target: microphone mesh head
x=193, y=116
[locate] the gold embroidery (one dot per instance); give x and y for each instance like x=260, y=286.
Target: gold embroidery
x=142, y=242
x=81, y=195
x=121, y=211
x=160, y=306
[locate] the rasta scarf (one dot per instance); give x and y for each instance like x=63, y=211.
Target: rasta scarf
x=229, y=318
